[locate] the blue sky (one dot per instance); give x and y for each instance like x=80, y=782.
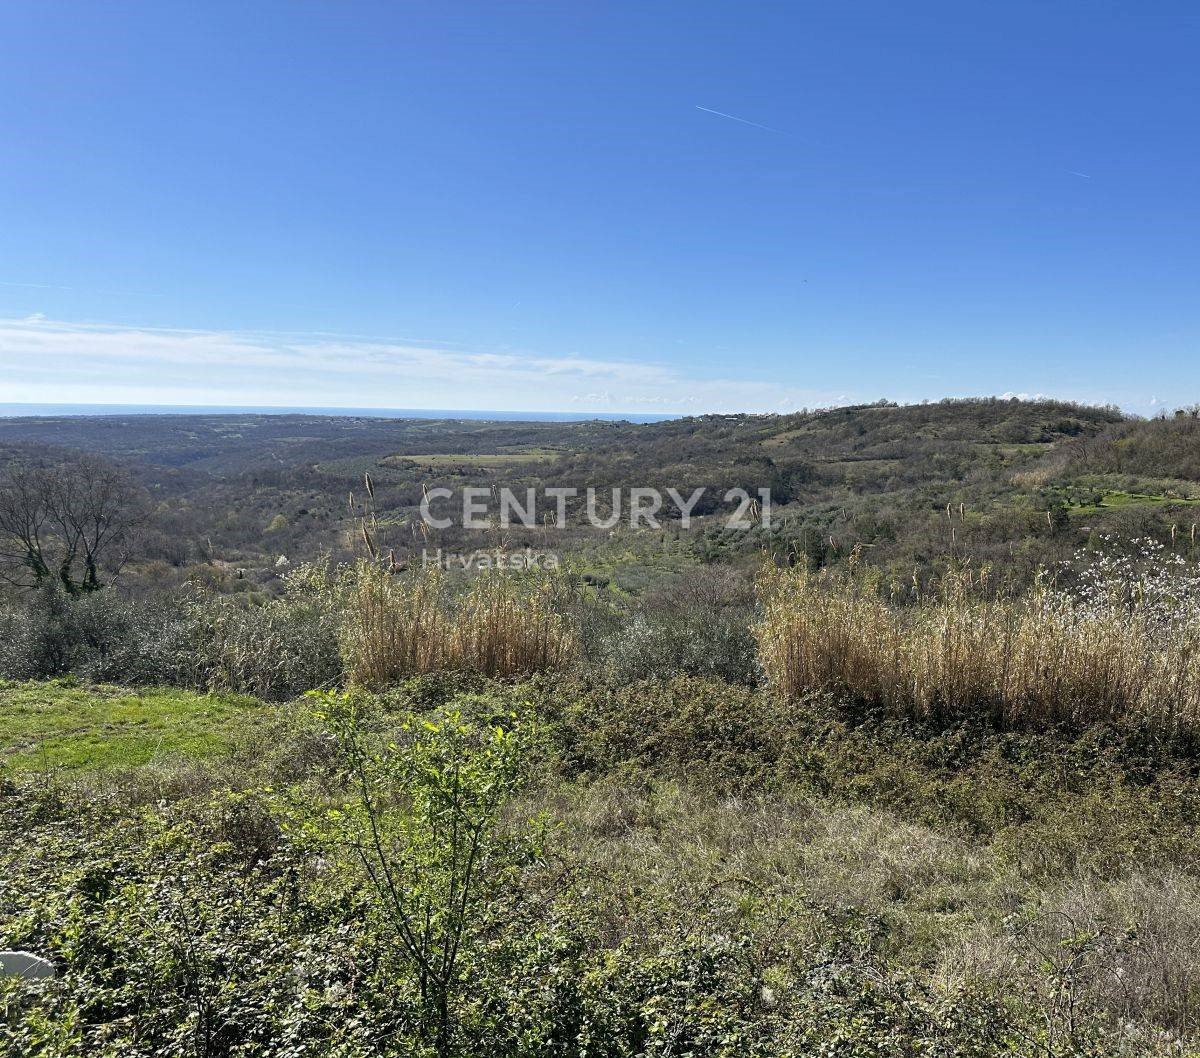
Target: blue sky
x=534, y=206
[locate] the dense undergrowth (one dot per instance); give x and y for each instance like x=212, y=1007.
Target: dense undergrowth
x=669, y=867
x=827, y=818
x=1113, y=636
x=360, y=625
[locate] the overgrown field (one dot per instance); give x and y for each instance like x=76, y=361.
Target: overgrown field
x=398, y=813
x=666, y=867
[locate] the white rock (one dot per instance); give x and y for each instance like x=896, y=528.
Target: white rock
x=22, y=964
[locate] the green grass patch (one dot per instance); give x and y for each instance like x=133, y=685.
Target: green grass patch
x=1116, y=500
x=58, y=725
x=489, y=460
x=1096, y=495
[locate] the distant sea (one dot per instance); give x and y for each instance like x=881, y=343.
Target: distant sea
x=12, y=411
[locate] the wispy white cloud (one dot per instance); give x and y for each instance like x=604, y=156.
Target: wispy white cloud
x=56, y=286
x=55, y=361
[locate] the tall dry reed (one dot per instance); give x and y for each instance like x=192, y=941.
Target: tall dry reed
x=1043, y=657
x=398, y=625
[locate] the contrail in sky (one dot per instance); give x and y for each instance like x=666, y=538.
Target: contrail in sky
x=1084, y=175
x=734, y=117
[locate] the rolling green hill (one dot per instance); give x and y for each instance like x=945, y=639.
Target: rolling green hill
x=237, y=492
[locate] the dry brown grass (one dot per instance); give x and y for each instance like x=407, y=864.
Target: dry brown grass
x=1032, y=479
x=1043, y=657
x=399, y=625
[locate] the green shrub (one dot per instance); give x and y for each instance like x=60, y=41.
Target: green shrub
x=697, y=624
x=275, y=650
x=673, y=726
x=420, y=827
x=98, y=636
x=719, y=646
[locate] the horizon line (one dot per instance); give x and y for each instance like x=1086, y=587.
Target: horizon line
x=17, y=410
x=84, y=409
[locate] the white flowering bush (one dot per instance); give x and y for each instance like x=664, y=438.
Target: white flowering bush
x=1140, y=576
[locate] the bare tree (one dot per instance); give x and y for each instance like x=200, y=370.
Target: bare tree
x=69, y=518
